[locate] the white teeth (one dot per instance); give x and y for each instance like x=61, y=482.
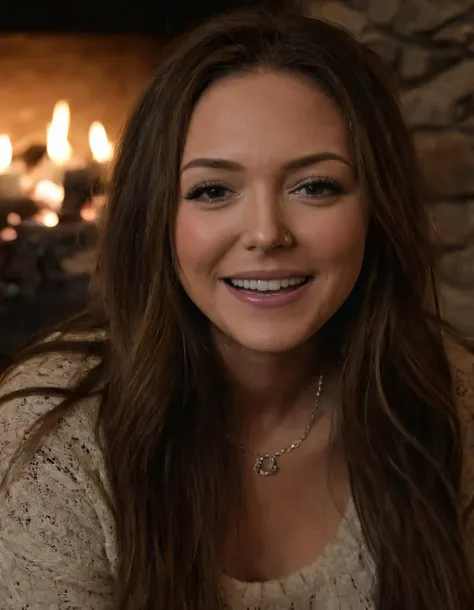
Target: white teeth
x=267, y=285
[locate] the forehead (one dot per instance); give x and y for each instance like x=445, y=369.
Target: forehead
x=263, y=113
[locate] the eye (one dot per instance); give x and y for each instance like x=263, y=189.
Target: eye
x=209, y=192
x=318, y=188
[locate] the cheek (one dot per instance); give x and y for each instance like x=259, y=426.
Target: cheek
x=339, y=237
x=197, y=244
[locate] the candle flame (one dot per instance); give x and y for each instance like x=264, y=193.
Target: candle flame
x=101, y=147
x=57, y=144
x=6, y=152
x=49, y=193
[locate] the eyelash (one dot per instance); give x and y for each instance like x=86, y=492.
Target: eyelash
x=321, y=182
x=198, y=192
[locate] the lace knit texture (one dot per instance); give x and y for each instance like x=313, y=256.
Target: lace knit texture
x=57, y=543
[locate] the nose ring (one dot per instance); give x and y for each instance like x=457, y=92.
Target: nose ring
x=287, y=238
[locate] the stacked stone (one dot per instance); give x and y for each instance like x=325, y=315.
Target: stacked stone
x=430, y=46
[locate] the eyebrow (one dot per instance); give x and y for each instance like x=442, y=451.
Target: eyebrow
x=294, y=164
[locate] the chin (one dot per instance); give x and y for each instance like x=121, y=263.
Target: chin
x=271, y=343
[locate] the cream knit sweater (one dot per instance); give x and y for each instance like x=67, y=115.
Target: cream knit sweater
x=57, y=543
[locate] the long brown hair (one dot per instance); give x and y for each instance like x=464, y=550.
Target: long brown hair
x=161, y=384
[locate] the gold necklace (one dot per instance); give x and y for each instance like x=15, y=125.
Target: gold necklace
x=266, y=463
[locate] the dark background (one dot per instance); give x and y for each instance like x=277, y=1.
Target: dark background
x=160, y=17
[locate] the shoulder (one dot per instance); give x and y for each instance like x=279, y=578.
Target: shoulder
x=25, y=398
x=56, y=517
x=20, y=413
x=53, y=369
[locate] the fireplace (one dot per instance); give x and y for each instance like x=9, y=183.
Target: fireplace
x=64, y=96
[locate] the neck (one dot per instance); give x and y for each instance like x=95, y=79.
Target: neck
x=270, y=386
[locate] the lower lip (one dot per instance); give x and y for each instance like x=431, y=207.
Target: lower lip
x=263, y=299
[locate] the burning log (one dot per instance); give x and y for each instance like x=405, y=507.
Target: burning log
x=80, y=188
x=47, y=222
x=49, y=204
x=41, y=256
x=32, y=155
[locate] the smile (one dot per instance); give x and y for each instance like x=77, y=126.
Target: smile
x=268, y=286
x=272, y=292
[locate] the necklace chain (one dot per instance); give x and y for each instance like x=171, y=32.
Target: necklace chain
x=266, y=463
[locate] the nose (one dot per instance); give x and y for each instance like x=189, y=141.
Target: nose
x=265, y=223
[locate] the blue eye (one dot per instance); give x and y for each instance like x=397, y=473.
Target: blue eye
x=318, y=188
x=209, y=192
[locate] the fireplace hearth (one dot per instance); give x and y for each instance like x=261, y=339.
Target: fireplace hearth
x=64, y=99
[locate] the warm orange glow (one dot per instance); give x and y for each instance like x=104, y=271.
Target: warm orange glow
x=50, y=219
x=89, y=212
x=49, y=193
x=99, y=201
x=13, y=219
x=101, y=147
x=8, y=234
x=46, y=218
x=57, y=144
x=6, y=152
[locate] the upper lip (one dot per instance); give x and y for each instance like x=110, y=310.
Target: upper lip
x=278, y=274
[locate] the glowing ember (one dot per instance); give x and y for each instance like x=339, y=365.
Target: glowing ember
x=8, y=234
x=50, y=219
x=57, y=145
x=13, y=219
x=49, y=193
x=46, y=218
x=89, y=212
x=6, y=152
x=101, y=147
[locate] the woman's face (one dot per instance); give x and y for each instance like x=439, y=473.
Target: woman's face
x=271, y=225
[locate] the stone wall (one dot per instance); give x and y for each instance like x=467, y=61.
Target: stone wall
x=430, y=46
x=100, y=76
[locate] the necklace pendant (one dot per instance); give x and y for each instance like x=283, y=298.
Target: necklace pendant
x=265, y=465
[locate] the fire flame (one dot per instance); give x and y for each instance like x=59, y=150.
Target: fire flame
x=6, y=152
x=46, y=218
x=49, y=193
x=50, y=219
x=57, y=145
x=101, y=147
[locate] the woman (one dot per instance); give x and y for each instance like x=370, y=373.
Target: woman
x=267, y=413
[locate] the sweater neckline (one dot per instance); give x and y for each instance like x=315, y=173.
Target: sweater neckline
x=343, y=546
